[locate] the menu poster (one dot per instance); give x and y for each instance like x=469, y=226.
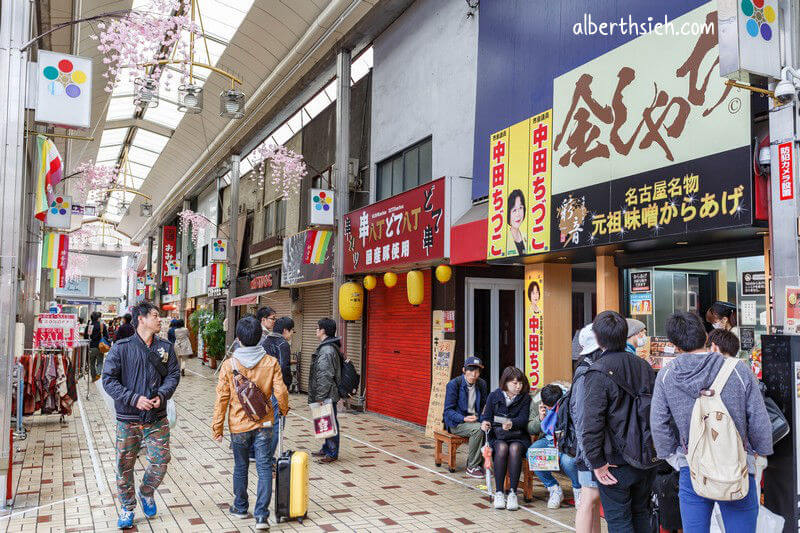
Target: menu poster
x=661, y=352
x=791, y=322
x=640, y=281
x=747, y=338
x=442, y=365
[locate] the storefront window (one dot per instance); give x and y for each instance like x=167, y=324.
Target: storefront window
x=652, y=294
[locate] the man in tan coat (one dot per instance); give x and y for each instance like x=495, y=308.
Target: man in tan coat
x=252, y=362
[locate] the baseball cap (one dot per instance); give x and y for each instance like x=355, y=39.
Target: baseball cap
x=473, y=361
x=634, y=326
x=587, y=340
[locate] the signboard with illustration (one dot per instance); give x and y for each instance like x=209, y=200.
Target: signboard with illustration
x=405, y=229
x=442, y=366
x=320, y=207
x=642, y=303
x=64, y=89
x=307, y=258
x=534, y=324
x=218, y=251
x=519, y=195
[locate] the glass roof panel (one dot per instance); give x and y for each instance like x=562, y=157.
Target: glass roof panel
x=221, y=18
x=166, y=114
x=113, y=217
x=108, y=153
x=138, y=170
x=113, y=136
x=120, y=107
x=282, y=134
x=144, y=157
x=150, y=140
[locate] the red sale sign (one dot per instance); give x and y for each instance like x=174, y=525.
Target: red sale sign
x=786, y=171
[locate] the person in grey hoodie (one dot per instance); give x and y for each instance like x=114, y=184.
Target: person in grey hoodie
x=678, y=385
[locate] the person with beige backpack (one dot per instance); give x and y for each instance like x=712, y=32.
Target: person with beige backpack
x=709, y=421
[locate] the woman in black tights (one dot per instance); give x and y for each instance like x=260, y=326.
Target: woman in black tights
x=506, y=415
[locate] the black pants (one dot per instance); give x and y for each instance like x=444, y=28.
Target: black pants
x=627, y=503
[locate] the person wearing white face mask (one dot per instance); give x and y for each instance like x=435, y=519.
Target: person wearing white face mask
x=722, y=315
x=637, y=335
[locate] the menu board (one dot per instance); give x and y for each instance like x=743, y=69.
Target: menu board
x=442, y=365
x=640, y=281
x=661, y=352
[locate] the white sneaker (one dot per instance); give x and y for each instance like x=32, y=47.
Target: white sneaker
x=512, y=504
x=556, y=497
x=576, y=495
x=499, y=500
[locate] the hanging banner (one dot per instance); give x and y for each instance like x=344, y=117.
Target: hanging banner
x=218, y=253
x=534, y=323
x=59, y=214
x=64, y=89
x=219, y=272
x=49, y=173
x=316, y=248
x=169, y=250
x=55, y=250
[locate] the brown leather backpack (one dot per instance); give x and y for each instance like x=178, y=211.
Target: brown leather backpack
x=255, y=403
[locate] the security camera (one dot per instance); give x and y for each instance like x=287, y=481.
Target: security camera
x=785, y=91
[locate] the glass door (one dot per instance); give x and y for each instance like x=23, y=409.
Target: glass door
x=494, y=317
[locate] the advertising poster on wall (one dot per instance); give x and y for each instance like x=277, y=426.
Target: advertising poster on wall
x=791, y=319
x=534, y=324
x=640, y=281
x=442, y=365
x=642, y=303
x=520, y=182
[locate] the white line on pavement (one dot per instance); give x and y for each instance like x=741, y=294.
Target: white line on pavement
x=25, y=511
x=98, y=471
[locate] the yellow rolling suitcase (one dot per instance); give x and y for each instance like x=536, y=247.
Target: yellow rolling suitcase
x=291, y=482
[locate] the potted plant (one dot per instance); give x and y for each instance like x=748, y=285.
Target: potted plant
x=214, y=339
x=198, y=321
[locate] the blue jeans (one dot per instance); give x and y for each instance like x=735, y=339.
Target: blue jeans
x=567, y=463
x=739, y=516
x=260, y=440
x=275, y=421
x=331, y=446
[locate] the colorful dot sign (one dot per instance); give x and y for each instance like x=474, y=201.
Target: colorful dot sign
x=760, y=17
x=59, y=206
x=64, y=79
x=322, y=202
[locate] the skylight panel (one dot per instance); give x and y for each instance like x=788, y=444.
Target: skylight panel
x=108, y=153
x=113, y=136
x=166, y=114
x=138, y=170
x=144, y=157
x=150, y=140
x=222, y=18
x=120, y=108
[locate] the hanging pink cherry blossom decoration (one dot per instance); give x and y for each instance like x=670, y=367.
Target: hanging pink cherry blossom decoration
x=286, y=166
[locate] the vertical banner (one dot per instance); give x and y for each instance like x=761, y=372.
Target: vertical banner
x=534, y=323
x=541, y=133
x=517, y=219
x=168, y=253
x=497, y=195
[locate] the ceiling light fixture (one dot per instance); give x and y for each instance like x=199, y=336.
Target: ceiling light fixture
x=231, y=104
x=146, y=93
x=190, y=98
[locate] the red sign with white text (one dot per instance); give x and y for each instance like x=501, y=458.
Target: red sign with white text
x=169, y=243
x=786, y=171
x=404, y=229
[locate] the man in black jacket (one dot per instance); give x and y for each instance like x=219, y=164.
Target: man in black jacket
x=624, y=489
x=126, y=329
x=323, y=380
x=276, y=344
x=141, y=373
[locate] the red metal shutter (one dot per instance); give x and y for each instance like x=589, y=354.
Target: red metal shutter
x=398, y=364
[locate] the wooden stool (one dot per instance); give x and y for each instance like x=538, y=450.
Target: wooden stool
x=453, y=442
x=526, y=482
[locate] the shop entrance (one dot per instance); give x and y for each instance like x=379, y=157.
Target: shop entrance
x=494, y=317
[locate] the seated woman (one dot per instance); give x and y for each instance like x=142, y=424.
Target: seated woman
x=506, y=418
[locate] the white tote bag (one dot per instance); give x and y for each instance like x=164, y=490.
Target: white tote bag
x=324, y=421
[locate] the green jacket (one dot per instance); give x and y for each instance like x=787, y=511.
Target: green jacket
x=534, y=424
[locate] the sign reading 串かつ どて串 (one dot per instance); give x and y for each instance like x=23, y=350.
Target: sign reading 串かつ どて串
x=404, y=229
x=519, y=194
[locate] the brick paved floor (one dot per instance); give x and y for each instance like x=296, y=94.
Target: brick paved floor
x=385, y=479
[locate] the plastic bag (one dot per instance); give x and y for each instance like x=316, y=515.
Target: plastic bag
x=172, y=413
x=768, y=522
x=543, y=459
x=324, y=421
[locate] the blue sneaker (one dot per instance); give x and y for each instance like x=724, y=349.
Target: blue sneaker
x=125, y=520
x=148, y=505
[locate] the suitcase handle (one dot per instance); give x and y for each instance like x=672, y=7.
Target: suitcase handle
x=281, y=423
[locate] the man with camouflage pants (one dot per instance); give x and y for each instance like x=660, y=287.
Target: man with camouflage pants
x=141, y=373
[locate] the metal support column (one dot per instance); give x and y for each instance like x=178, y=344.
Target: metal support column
x=233, y=248
x=14, y=32
x=785, y=214
x=341, y=182
x=184, y=263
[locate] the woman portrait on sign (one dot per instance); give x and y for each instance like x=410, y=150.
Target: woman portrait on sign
x=515, y=217
x=534, y=296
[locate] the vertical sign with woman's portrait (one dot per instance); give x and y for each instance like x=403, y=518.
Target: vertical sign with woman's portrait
x=516, y=201
x=534, y=323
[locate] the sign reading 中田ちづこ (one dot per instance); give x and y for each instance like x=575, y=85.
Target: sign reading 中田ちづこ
x=534, y=323
x=64, y=89
x=519, y=188
x=407, y=228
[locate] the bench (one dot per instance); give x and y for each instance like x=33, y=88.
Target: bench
x=453, y=442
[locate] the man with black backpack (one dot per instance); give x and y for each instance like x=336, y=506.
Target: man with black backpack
x=616, y=437
x=324, y=379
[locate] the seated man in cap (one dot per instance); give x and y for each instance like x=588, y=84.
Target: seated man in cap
x=637, y=335
x=463, y=403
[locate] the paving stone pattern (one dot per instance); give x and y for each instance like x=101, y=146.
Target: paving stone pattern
x=384, y=480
